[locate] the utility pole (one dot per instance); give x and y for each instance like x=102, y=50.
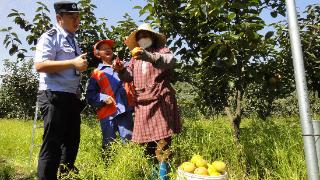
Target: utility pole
x=302, y=91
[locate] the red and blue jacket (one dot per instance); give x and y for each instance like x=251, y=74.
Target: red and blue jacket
x=104, y=82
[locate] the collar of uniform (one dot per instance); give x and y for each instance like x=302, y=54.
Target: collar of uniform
x=72, y=35
x=102, y=66
x=64, y=32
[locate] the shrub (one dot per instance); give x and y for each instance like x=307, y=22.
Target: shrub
x=18, y=90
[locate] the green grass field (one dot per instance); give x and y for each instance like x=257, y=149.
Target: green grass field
x=269, y=149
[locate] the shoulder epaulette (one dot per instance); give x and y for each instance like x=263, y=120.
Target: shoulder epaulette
x=52, y=32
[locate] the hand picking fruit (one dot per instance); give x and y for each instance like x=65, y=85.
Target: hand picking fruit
x=136, y=52
x=117, y=64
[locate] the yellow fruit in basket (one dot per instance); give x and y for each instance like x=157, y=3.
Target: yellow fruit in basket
x=188, y=167
x=135, y=51
x=195, y=158
x=201, y=171
x=201, y=163
x=219, y=166
x=212, y=171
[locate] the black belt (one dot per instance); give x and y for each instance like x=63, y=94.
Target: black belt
x=61, y=94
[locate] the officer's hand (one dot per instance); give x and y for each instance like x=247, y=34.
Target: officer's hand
x=118, y=65
x=80, y=62
x=110, y=100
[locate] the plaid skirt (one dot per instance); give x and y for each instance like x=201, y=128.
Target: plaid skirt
x=157, y=119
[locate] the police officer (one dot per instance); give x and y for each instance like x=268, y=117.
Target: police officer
x=59, y=62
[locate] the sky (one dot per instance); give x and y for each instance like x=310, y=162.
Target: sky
x=110, y=9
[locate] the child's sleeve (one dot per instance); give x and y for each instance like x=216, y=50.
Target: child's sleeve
x=93, y=95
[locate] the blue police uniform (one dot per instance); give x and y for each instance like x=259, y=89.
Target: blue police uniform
x=57, y=45
x=59, y=105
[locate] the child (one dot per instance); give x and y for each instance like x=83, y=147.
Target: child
x=106, y=93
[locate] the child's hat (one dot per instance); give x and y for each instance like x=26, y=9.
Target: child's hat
x=107, y=41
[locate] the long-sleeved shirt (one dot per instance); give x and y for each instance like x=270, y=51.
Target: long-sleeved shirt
x=97, y=99
x=156, y=111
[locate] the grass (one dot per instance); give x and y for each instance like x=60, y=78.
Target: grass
x=6, y=171
x=271, y=149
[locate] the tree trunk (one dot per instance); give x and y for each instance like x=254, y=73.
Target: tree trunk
x=235, y=118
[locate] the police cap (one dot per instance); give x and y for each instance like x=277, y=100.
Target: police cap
x=65, y=6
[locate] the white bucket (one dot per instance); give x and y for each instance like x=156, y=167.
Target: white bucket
x=182, y=175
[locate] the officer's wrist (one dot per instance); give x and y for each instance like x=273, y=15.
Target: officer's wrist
x=73, y=62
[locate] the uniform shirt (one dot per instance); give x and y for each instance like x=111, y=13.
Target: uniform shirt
x=96, y=99
x=58, y=45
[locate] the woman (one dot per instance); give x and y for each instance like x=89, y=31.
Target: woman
x=151, y=69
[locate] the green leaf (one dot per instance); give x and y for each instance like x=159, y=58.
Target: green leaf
x=40, y=3
x=17, y=40
x=7, y=44
x=14, y=10
x=274, y=14
x=269, y=35
x=14, y=34
x=235, y=37
x=137, y=7
x=39, y=9
x=209, y=50
x=21, y=56
x=13, y=49
x=6, y=39
x=221, y=49
x=311, y=55
x=13, y=14
x=46, y=8
x=144, y=9
x=24, y=50
x=232, y=15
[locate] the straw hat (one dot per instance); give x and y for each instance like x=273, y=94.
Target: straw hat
x=109, y=42
x=131, y=40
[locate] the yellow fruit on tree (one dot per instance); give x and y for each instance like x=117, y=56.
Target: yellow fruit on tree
x=188, y=167
x=273, y=80
x=277, y=75
x=219, y=166
x=201, y=171
x=135, y=51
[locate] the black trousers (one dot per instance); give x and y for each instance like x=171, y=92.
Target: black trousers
x=61, y=114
